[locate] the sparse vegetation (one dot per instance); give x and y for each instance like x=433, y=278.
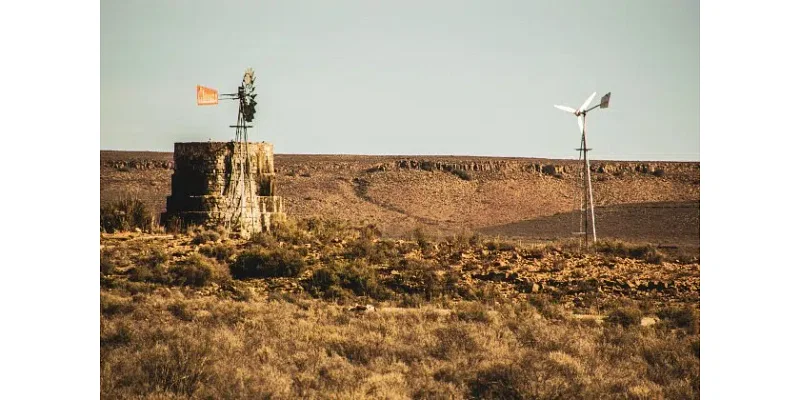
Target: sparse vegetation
x=463, y=174
x=202, y=235
x=197, y=270
x=220, y=251
x=260, y=263
x=451, y=318
x=344, y=280
x=125, y=215
x=645, y=252
x=625, y=316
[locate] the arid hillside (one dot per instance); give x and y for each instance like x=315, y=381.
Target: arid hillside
x=527, y=198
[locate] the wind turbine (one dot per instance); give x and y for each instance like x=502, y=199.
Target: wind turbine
x=586, y=183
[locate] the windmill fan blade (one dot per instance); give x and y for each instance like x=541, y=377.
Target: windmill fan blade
x=567, y=109
x=589, y=100
x=580, y=124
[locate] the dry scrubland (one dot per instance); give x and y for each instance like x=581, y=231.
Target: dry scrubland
x=204, y=315
x=447, y=194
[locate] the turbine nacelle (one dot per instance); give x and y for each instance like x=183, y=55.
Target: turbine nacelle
x=581, y=110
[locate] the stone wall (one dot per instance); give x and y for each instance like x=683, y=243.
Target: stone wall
x=224, y=183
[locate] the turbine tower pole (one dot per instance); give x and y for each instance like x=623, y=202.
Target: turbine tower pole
x=588, y=185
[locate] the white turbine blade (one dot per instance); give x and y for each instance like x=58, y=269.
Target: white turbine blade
x=567, y=109
x=580, y=124
x=589, y=100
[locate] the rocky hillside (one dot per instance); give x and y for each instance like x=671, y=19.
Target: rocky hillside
x=444, y=194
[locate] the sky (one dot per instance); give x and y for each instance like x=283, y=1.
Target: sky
x=407, y=77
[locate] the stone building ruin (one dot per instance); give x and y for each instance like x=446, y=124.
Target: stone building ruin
x=231, y=184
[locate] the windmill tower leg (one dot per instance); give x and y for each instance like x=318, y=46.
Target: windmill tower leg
x=591, y=200
x=589, y=183
x=586, y=190
x=580, y=184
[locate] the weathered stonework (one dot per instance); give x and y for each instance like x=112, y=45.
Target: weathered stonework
x=224, y=183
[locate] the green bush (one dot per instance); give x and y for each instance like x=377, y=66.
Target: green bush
x=260, y=263
x=125, y=215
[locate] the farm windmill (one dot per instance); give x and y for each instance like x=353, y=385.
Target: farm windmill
x=246, y=97
x=587, y=214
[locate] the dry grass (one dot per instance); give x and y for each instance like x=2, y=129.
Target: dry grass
x=169, y=343
x=453, y=320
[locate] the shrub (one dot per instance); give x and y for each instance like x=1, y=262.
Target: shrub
x=646, y=252
x=197, y=270
x=360, y=248
x=423, y=239
x=454, y=340
x=125, y=215
x=263, y=239
x=547, y=307
x=685, y=317
x=181, y=311
x=625, y=316
x=473, y=312
x=150, y=267
x=463, y=174
x=500, y=381
x=107, y=266
x=290, y=231
x=356, y=277
x=417, y=277
x=531, y=376
x=370, y=231
x=110, y=305
x=149, y=273
x=180, y=363
x=361, y=280
x=153, y=256
x=204, y=235
x=260, y=263
x=122, y=335
x=219, y=251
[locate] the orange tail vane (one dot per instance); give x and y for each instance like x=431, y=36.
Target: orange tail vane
x=207, y=96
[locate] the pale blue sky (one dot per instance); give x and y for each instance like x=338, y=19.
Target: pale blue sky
x=407, y=77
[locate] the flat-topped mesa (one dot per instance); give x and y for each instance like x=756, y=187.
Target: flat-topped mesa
x=224, y=183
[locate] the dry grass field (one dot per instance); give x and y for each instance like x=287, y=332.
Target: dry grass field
x=327, y=309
